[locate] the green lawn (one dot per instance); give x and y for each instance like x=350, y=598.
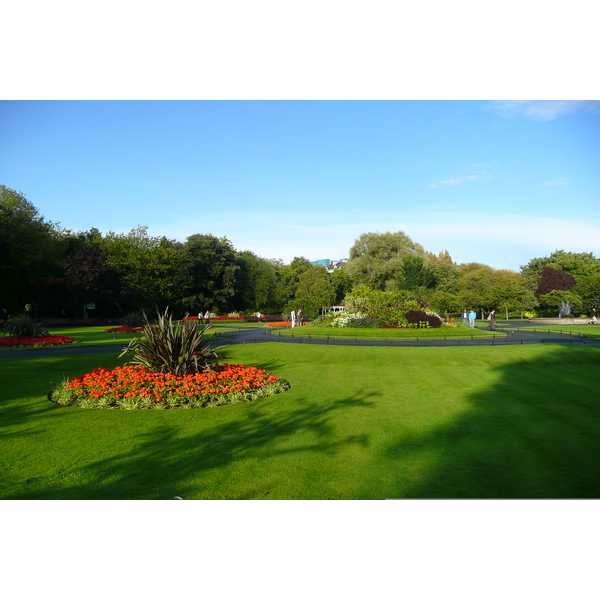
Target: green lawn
x=359, y=422
x=387, y=334
x=591, y=332
x=98, y=336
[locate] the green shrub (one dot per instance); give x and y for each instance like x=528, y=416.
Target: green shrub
x=135, y=318
x=25, y=326
x=180, y=348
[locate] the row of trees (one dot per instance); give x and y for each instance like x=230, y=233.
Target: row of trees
x=392, y=262
x=53, y=271
x=58, y=272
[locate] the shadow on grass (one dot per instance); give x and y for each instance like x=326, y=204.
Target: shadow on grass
x=534, y=434
x=162, y=463
x=14, y=415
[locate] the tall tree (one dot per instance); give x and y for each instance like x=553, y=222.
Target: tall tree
x=377, y=260
x=554, y=279
x=255, y=282
x=342, y=284
x=209, y=272
x=89, y=278
x=30, y=248
x=288, y=279
x=476, y=284
x=416, y=274
x=149, y=265
x=315, y=291
x=588, y=289
x=510, y=292
x=579, y=264
x=384, y=246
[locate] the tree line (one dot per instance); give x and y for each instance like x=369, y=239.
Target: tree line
x=51, y=271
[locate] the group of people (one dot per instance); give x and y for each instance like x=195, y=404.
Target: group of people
x=206, y=317
x=296, y=317
x=469, y=318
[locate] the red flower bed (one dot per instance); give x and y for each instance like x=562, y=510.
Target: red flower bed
x=216, y=318
x=227, y=318
x=49, y=340
x=138, y=381
x=124, y=329
x=283, y=324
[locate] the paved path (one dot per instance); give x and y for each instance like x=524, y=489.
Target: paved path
x=257, y=335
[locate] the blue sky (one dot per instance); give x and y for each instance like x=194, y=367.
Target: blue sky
x=492, y=182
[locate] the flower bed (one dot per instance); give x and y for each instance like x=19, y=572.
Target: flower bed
x=124, y=329
x=224, y=318
x=284, y=324
x=132, y=387
x=48, y=340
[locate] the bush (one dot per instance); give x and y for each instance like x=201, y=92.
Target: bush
x=323, y=321
x=135, y=318
x=179, y=349
x=25, y=327
x=419, y=318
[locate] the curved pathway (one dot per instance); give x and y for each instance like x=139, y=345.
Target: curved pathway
x=257, y=335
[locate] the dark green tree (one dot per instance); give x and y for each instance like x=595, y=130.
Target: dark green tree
x=342, y=284
x=255, y=283
x=416, y=274
x=87, y=277
x=208, y=272
x=588, y=289
x=150, y=266
x=30, y=248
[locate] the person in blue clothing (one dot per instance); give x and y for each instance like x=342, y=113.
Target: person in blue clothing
x=472, y=316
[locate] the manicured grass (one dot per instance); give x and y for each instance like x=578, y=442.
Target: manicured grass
x=387, y=334
x=98, y=336
x=359, y=422
x=94, y=336
x=591, y=332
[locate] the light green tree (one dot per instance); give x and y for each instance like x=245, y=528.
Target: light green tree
x=149, y=265
x=560, y=298
x=314, y=292
x=511, y=293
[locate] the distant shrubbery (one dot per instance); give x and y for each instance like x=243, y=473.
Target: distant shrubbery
x=419, y=318
x=25, y=327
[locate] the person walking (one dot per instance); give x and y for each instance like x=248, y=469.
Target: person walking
x=299, y=317
x=472, y=317
x=492, y=321
x=293, y=318
x=465, y=318
x=200, y=318
x=207, y=317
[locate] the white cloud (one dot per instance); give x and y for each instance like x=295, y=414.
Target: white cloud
x=541, y=110
x=478, y=171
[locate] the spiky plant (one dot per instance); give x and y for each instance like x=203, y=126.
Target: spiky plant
x=178, y=348
x=25, y=326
